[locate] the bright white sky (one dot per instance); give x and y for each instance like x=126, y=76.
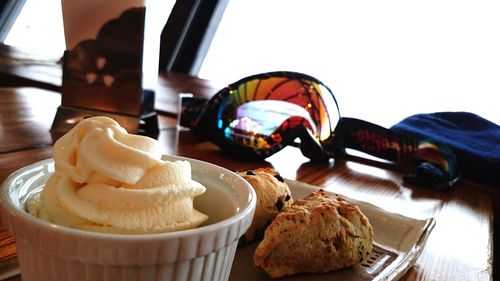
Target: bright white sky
x=384, y=59
x=44, y=35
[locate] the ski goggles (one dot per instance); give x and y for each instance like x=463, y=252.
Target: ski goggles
x=261, y=114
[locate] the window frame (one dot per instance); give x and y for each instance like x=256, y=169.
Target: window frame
x=188, y=33
x=9, y=11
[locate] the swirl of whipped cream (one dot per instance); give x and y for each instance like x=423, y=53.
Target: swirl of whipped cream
x=111, y=181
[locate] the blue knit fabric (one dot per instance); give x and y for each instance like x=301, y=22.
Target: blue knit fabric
x=474, y=140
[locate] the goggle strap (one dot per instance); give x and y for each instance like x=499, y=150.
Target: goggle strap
x=190, y=110
x=397, y=147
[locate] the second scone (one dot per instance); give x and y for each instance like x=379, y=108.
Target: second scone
x=319, y=233
x=273, y=195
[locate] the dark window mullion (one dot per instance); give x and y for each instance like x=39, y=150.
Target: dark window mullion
x=9, y=10
x=188, y=33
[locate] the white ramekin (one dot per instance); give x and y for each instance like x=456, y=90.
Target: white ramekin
x=50, y=252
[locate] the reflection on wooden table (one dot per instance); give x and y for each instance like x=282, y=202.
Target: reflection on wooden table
x=459, y=248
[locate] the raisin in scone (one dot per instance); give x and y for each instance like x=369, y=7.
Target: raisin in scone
x=319, y=233
x=273, y=195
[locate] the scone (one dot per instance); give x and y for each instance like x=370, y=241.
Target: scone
x=319, y=233
x=273, y=195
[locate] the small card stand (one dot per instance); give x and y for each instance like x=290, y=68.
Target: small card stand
x=103, y=76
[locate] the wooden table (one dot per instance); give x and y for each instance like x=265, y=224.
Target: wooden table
x=459, y=248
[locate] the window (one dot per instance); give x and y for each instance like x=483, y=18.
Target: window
x=191, y=24
x=38, y=28
x=384, y=59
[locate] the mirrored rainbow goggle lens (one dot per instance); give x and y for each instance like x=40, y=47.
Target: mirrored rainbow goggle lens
x=263, y=111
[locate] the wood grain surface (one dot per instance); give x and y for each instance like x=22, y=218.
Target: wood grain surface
x=459, y=248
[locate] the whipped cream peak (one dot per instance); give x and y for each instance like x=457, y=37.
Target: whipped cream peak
x=99, y=145
x=112, y=181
